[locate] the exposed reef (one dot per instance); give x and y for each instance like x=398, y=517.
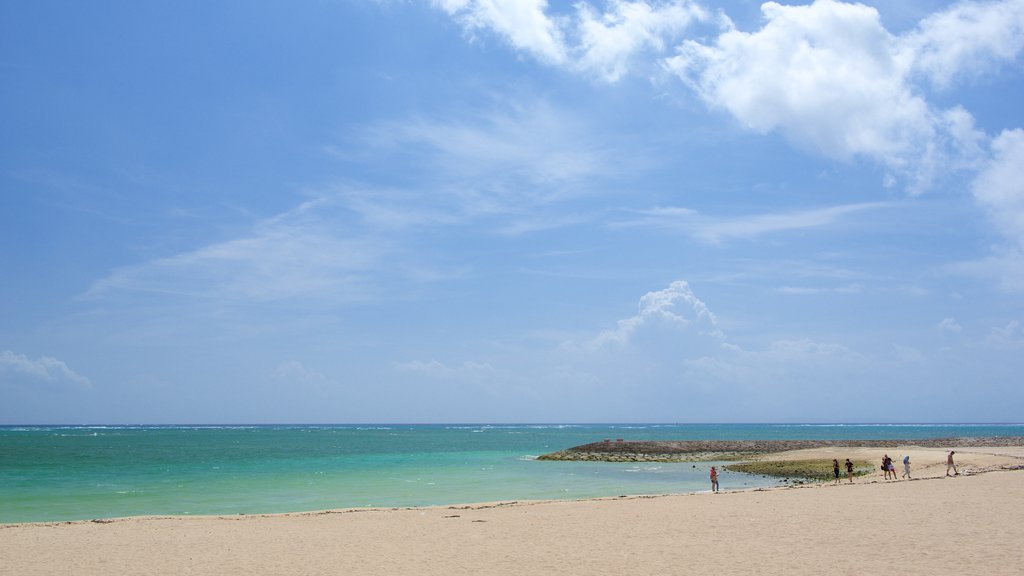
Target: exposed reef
x=733, y=450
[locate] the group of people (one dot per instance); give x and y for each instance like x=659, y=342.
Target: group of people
x=887, y=467
x=849, y=469
x=890, y=469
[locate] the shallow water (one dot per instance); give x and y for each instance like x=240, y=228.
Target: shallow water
x=52, y=473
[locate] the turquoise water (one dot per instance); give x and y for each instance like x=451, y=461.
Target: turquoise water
x=52, y=473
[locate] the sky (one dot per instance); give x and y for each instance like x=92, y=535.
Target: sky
x=360, y=211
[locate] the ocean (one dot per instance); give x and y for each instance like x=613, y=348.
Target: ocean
x=58, y=473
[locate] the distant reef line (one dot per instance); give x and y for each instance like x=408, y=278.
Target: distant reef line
x=712, y=450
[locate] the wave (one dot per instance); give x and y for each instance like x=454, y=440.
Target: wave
x=882, y=425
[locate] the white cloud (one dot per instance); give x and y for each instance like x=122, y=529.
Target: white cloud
x=828, y=75
x=793, y=366
x=949, y=325
x=532, y=223
x=909, y=355
x=296, y=377
x=714, y=230
x=999, y=189
x=435, y=368
x=660, y=307
x=523, y=23
x=298, y=254
x=606, y=43
x=1009, y=336
x=44, y=370
x=803, y=290
x=295, y=371
x=610, y=41
x=515, y=156
x=966, y=39
x=834, y=82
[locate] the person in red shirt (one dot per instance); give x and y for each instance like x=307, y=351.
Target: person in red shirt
x=714, y=479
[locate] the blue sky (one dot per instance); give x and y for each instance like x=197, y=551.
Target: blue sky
x=511, y=211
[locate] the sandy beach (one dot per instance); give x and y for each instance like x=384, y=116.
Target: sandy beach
x=931, y=525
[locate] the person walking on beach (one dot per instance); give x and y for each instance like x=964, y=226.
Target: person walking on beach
x=950, y=464
x=906, y=467
x=888, y=468
x=849, y=470
x=714, y=479
x=835, y=469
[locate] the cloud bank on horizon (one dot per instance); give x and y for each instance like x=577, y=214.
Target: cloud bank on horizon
x=817, y=214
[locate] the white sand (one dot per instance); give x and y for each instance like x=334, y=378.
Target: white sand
x=968, y=524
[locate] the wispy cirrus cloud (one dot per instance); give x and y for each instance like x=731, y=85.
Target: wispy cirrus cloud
x=299, y=254
x=806, y=290
x=512, y=154
x=496, y=172
x=512, y=167
x=716, y=229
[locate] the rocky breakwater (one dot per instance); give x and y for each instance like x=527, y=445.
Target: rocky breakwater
x=732, y=450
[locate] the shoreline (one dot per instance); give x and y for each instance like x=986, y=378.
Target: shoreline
x=921, y=526
x=1013, y=462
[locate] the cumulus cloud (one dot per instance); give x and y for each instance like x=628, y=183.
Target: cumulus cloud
x=835, y=82
x=660, y=307
x=45, y=371
x=949, y=325
x=523, y=23
x=606, y=43
x=610, y=41
x=828, y=75
x=965, y=40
